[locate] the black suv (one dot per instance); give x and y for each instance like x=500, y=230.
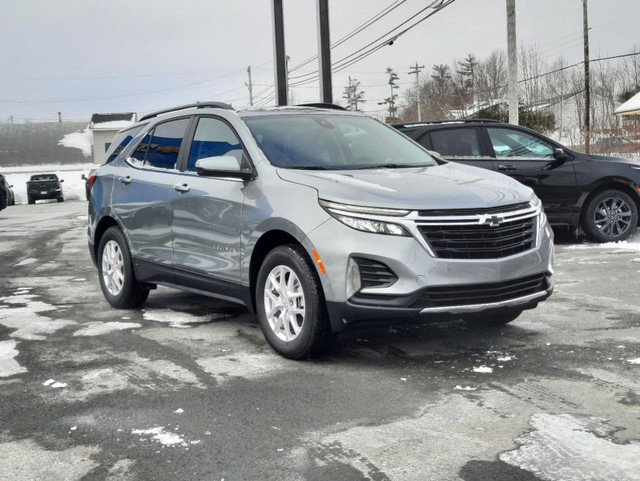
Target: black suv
x=600, y=194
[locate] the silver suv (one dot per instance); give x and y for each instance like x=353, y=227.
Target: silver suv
x=316, y=219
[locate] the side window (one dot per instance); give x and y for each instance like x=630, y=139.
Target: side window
x=140, y=154
x=456, y=142
x=214, y=138
x=165, y=144
x=514, y=143
x=120, y=141
x=425, y=141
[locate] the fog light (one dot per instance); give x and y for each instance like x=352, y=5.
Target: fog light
x=353, y=278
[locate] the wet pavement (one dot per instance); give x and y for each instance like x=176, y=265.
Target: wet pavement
x=188, y=389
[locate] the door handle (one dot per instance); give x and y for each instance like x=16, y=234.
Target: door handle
x=506, y=167
x=182, y=188
x=126, y=180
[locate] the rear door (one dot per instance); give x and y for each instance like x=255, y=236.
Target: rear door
x=464, y=145
x=142, y=190
x=207, y=212
x=530, y=159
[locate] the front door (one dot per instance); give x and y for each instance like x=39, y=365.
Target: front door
x=530, y=160
x=207, y=212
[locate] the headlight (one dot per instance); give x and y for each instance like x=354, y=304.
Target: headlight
x=344, y=213
x=535, y=201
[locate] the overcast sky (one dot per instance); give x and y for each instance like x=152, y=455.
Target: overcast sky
x=84, y=56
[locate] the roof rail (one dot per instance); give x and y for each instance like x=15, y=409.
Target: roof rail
x=449, y=121
x=198, y=105
x=321, y=105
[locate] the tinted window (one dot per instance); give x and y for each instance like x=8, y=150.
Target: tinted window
x=313, y=141
x=514, y=143
x=139, y=156
x=165, y=144
x=213, y=138
x=456, y=142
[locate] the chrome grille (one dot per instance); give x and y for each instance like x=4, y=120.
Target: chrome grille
x=481, y=235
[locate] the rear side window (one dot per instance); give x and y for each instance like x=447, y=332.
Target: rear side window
x=165, y=144
x=140, y=155
x=120, y=141
x=453, y=143
x=213, y=138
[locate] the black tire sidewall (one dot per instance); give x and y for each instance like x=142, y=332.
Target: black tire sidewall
x=589, y=226
x=129, y=287
x=292, y=258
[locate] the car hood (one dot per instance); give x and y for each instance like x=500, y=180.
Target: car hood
x=450, y=186
x=606, y=158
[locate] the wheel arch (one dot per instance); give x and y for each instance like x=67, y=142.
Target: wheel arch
x=105, y=223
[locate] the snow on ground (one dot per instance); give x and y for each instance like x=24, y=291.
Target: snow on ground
x=79, y=140
x=570, y=447
x=73, y=186
x=180, y=320
x=165, y=438
x=8, y=365
x=630, y=245
x=98, y=328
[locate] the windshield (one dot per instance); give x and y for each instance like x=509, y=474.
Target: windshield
x=334, y=142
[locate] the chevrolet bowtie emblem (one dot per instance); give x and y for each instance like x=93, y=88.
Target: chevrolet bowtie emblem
x=492, y=220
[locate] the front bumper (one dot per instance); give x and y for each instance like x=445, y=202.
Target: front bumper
x=417, y=271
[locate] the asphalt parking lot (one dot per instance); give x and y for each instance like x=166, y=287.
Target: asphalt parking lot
x=187, y=388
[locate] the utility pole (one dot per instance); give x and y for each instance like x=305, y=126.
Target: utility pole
x=250, y=86
x=512, y=54
x=10, y=119
x=60, y=117
x=324, y=52
x=587, y=90
x=279, y=53
x=415, y=69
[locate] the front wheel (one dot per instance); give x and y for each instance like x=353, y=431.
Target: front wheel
x=60, y=199
x=291, y=306
x=116, y=274
x=610, y=216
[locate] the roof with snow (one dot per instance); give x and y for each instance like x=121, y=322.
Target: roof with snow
x=114, y=121
x=630, y=107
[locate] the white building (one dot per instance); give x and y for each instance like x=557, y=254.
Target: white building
x=104, y=128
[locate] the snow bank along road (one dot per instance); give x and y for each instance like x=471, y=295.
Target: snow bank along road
x=187, y=388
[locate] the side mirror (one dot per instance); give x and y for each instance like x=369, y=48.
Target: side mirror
x=560, y=154
x=83, y=177
x=222, y=166
x=11, y=187
x=61, y=180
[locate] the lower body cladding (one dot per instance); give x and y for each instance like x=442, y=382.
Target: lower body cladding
x=374, y=278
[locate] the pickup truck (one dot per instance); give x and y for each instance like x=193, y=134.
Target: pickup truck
x=44, y=186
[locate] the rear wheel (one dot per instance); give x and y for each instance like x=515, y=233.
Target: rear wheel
x=30, y=200
x=290, y=303
x=610, y=216
x=116, y=274
x=60, y=199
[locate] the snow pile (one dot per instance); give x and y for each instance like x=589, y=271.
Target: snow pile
x=630, y=245
x=79, y=140
x=483, y=369
x=73, y=186
x=8, y=365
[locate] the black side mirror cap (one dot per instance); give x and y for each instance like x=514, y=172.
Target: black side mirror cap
x=560, y=154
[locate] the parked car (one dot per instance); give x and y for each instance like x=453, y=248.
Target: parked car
x=7, y=196
x=599, y=194
x=318, y=220
x=86, y=179
x=44, y=186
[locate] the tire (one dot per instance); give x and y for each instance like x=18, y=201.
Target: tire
x=610, y=216
x=493, y=320
x=30, y=200
x=121, y=291
x=60, y=199
x=314, y=337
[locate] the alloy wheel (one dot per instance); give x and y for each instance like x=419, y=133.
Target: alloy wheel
x=113, y=267
x=284, y=303
x=612, y=217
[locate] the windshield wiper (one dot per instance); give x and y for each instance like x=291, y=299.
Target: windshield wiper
x=390, y=165
x=306, y=167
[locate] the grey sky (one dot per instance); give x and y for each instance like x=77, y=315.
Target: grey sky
x=103, y=56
